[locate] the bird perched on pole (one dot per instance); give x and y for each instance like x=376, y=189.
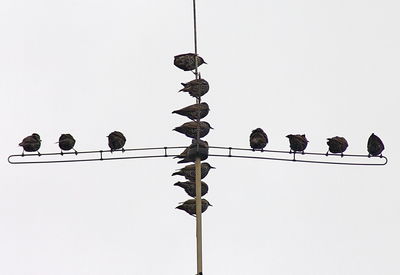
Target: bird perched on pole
x=196, y=88
x=196, y=149
x=189, y=171
x=116, y=140
x=194, y=112
x=66, y=142
x=298, y=143
x=187, y=61
x=337, y=145
x=189, y=129
x=31, y=143
x=190, y=187
x=375, y=146
x=258, y=139
x=189, y=206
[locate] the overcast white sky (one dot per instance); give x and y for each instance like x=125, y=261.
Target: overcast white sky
x=322, y=68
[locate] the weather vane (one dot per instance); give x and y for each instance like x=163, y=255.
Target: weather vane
x=199, y=150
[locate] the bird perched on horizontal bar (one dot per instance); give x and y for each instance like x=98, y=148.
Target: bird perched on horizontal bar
x=66, y=142
x=375, y=146
x=189, y=206
x=31, y=143
x=187, y=61
x=195, y=111
x=196, y=88
x=189, y=129
x=298, y=143
x=337, y=145
x=258, y=139
x=116, y=140
x=196, y=149
x=189, y=171
x=190, y=187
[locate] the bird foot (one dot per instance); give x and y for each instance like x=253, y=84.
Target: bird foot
x=123, y=150
x=62, y=153
x=39, y=154
x=341, y=155
x=302, y=152
x=23, y=154
x=76, y=152
x=262, y=150
x=327, y=153
x=369, y=155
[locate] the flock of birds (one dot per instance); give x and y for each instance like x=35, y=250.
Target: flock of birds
x=199, y=148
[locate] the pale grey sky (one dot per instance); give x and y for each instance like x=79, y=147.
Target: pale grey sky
x=322, y=68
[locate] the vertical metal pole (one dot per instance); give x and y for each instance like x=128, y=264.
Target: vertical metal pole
x=199, y=244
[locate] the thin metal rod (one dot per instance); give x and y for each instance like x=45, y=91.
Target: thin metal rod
x=199, y=243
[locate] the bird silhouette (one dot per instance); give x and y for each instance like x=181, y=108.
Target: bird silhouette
x=189, y=129
x=187, y=61
x=298, y=143
x=196, y=149
x=189, y=171
x=190, y=187
x=66, y=142
x=196, y=88
x=31, y=143
x=375, y=146
x=337, y=145
x=189, y=206
x=116, y=140
x=194, y=112
x=258, y=139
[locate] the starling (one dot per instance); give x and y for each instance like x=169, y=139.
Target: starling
x=193, y=151
x=189, y=171
x=196, y=88
x=116, y=140
x=337, y=145
x=258, y=139
x=189, y=206
x=375, y=146
x=31, y=143
x=66, y=142
x=187, y=61
x=298, y=143
x=190, y=187
x=190, y=129
x=194, y=112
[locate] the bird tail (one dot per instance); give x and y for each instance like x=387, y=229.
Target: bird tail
x=184, y=161
x=177, y=173
x=180, y=207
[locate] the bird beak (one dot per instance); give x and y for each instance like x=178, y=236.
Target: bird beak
x=211, y=128
x=209, y=204
x=212, y=167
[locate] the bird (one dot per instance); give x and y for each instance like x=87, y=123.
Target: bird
x=189, y=171
x=190, y=187
x=187, y=61
x=66, y=142
x=258, y=139
x=193, y=151
x=189, y=206
x=195, y=111
x=31, y=144
x=375, y=146
x=189, y=129
x=337, y=145
x=116, y=140
x=196, y=88
x=298, y=143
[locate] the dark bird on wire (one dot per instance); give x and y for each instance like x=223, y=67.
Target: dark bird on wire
x=190, y=187
x=66, y=142
x=31, y=143
x=187, y=61
x=189, y=129
x=116, y=140
x=196, y=88
x=375, y=146
x=193, y=151
x=189, y=206
x=298, y=143
x=337, y=145
x=195, y=111
x=189, y=171
x=258, y=139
